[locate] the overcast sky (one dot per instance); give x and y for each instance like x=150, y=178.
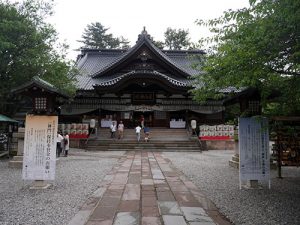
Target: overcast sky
x=127, y=18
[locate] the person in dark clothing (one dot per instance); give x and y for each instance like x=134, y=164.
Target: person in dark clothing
x=59, y=140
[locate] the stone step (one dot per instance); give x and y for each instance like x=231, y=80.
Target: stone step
x=133, y=137
x=161, y=139
x=235, y=158
x=17, y=158
x=234, y=164
x=158, y=150
x=15, y=164
x=137, y=147
x=95, y=148
x=140, y=146
x=154, y=133
x=145, y=147
x=151, y=142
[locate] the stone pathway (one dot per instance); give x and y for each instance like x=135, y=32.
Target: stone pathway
x=145, y=189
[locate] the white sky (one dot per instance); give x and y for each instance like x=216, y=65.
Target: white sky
x=127, y=18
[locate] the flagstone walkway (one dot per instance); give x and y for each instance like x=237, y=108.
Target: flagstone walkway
x=144, y=188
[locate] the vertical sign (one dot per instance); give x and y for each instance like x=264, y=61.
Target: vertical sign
x=40, y=147
x=254, y=149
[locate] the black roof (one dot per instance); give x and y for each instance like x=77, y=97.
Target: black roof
x=39, y=82
x=96, y=66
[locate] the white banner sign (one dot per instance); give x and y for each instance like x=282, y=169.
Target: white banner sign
x=40, y=147
x=254, y=149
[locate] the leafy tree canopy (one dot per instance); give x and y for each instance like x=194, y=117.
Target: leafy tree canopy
x=257, y=46
x=159, y=44
x=177, y=39
x=27, y=48
x=95, y=36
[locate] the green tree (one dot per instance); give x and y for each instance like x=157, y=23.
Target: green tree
x=177, y=39
x=159, y=44
x=27, y=49
x=257, y=46
x=95, y=36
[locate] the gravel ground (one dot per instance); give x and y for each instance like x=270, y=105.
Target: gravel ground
x=77, y=176
x=211, y=173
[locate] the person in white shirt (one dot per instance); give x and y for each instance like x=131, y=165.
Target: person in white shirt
x=92, y=126
x=194, y=126
x=138, y=132
x=113, y=129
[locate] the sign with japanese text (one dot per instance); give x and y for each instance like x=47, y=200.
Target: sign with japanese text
x=254, y=149
x=39, y=159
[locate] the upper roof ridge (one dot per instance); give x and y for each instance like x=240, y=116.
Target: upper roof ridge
x=144, y=34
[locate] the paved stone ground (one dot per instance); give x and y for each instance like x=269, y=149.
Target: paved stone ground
x=146, y=189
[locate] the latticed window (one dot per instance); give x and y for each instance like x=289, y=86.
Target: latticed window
x=40, y=103
x=254, y=106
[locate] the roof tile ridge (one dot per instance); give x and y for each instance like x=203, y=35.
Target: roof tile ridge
x=162, y=54
x=84, y=59
x=142, y=39
x=171, y=79
x=116, y=79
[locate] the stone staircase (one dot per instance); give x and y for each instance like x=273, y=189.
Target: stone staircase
x=161, y=139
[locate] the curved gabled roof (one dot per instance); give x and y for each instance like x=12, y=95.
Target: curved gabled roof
x=145, y=40
x=115, y=80
x=104, y=66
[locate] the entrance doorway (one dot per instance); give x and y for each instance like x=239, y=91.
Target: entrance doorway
x=148, y=118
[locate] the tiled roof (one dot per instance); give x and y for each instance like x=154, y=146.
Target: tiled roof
x=37, y=81
x=184, y=61
x=84, y=82
x=179, y=60
x=95, y=60
x=95, y=65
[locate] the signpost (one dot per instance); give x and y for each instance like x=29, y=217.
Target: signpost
x=40, y=149
x=254, y=149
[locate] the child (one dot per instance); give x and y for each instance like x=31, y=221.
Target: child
x=138, y=132
x=147, y=133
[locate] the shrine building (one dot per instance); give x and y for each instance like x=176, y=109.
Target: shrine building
x=143, y=81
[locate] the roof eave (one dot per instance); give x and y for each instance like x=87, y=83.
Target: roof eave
x=36, y=82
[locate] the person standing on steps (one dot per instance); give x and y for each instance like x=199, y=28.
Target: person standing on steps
x=142, y=120
x=113, y=129
x=120, y=130
x=138, y=132
x=194, y=126
x=147, y=133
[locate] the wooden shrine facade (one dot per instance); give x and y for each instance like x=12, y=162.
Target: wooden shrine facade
x=141, y=81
